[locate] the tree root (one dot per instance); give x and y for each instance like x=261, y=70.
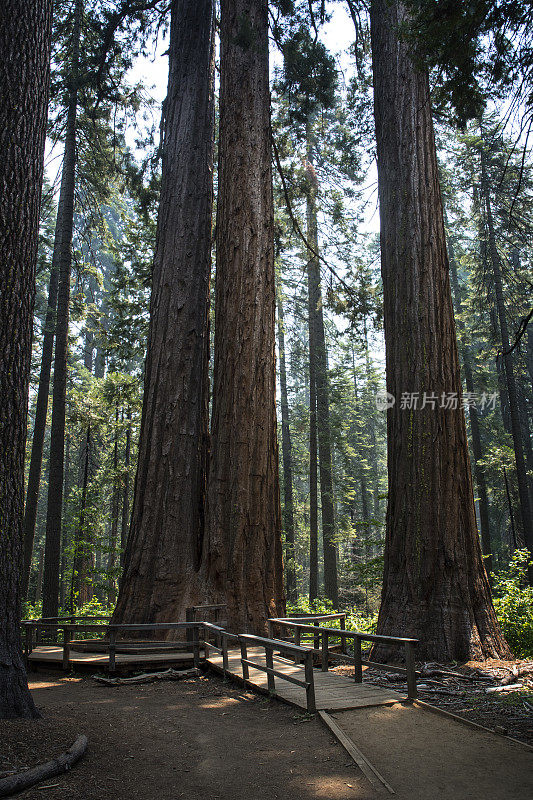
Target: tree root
x=23, y=780
x=148, y=677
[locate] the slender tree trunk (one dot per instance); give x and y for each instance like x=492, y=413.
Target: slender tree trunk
x=521, y=474
x=479, y=472
x=126, y=492
x=64, y=542
x=313, y=478
x=80, y=570
x=435, y=586
x=52, y=552
x=165, y=544
x=244, y=552
x=39, y=583
x=115, y=505
x=286, y=452
x=318, y=355
x=39, y=427
x=24, y=80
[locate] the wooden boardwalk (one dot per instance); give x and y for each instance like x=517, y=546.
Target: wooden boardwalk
x=52, y=656
x=333, y=692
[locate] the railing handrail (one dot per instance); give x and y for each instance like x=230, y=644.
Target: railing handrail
x=296, y=618
x=279, y=644
x=340, y=633
x=269, y=646
x=218, y=629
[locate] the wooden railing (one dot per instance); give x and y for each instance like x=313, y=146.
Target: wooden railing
x=272, y=646
x=322, y=636
x=112, y=631
x=222, y=637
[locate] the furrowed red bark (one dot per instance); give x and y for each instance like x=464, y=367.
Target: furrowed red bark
x=25, y=31
x=165, y=543
x=435, y=586
x=244, y=555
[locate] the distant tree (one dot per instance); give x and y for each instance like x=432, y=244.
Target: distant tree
x=25, y=37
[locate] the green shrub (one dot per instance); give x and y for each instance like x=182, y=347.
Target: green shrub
x=513, y=601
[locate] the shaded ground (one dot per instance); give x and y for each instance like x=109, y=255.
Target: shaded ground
x=424, y=755
x=509, y=711
x=198, y=738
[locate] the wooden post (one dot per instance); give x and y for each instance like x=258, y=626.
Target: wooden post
x=112, y=649
x=270, y=625
x=189, y=617
x=310, y=681
x=316, y=637
x=343, y=638
x=411, y=673
x=269, y=658
x=244, y=655
x=224, y=654
x=297, y=639
x=196, y=647
x=66, y=649
x=358, y=659
x=325, y=638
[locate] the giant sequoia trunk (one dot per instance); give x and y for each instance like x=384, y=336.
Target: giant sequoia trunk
x=244, y=553
x=319, y=362
x=164, y=549
x=24, y=79
x=435, y=585
x=286, y=454
x=65, y=219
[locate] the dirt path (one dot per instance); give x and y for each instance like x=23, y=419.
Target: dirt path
x=423, y=755
x=191, y=739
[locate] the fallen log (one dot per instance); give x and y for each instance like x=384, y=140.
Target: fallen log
x=23, y=780
x=148, y=677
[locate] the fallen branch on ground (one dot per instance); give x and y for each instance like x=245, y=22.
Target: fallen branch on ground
x=23, y=780
x=148, y=677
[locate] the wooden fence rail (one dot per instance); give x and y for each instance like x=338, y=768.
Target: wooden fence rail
x=322, y=637
x=277, y=645
x=31, y=626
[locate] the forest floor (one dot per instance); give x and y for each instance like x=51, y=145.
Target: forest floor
x=462, y=690
x=197, y=738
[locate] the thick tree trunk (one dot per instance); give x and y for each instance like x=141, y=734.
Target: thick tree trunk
x=479, y=471
x=39, y=427
x=512, y=395
x=435, y=586
x=24, y=80
x=244, y=552
x=65, y=218
x=318, y=355
x=286, y=453
x=163, y=554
